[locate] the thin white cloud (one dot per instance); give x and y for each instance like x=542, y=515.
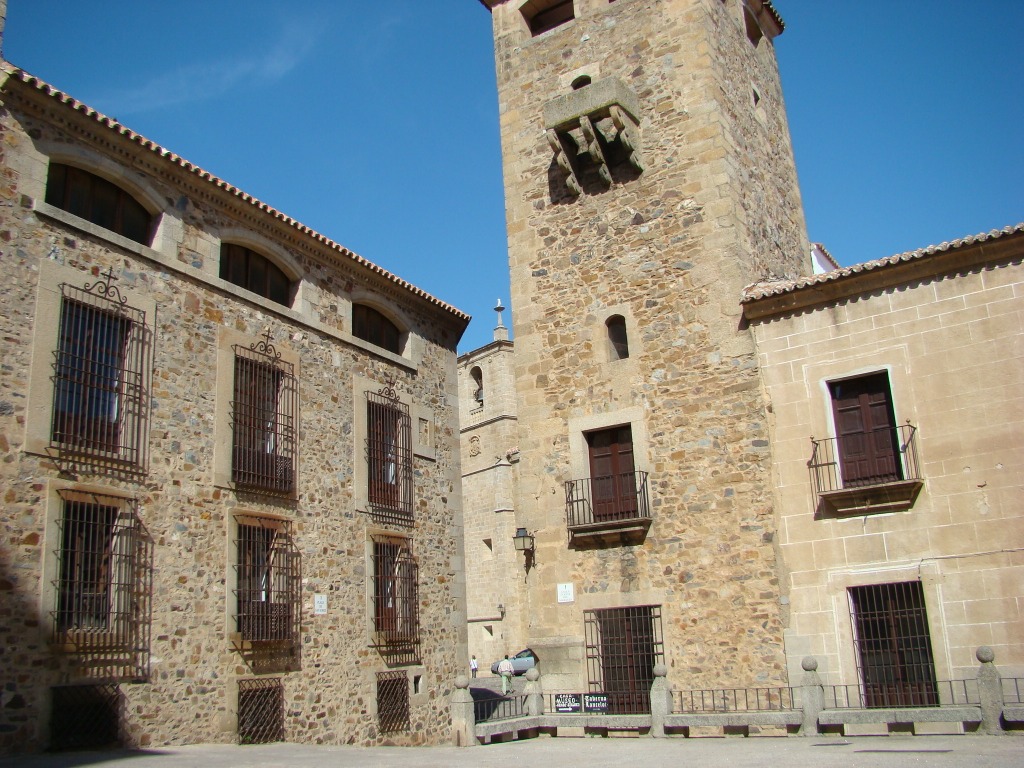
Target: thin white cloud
x=201, y=81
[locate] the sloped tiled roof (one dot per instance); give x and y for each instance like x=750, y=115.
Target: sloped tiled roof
x=772, y=288
x=114, y=126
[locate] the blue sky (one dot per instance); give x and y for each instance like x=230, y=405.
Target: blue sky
x=376, y=124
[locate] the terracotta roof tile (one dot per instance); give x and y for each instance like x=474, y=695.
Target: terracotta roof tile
x=116, y=127
x=765, y=289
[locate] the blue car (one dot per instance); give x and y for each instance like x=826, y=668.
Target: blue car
x=521, y=662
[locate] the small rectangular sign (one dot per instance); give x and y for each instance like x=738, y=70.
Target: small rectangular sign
x=566, y=593
x=595, y=702
x=319, y=605
x=567, y=702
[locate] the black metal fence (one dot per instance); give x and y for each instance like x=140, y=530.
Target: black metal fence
x=937, y=694
x=493, y=708
x=733, y=700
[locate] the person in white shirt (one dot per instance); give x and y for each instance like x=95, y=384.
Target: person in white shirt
x=473, y=666
x=505, y=670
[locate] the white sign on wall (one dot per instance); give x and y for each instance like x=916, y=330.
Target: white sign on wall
x=319, y=604
x=566, y=593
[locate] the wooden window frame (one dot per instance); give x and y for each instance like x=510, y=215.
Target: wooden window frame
x=374, y=327
x=251, y=270
x=99, y=201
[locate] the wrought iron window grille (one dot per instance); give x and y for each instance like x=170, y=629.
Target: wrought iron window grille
x=393, y=702
x=396, y=615
x=260, y=710
x=100, y=370
x=622, y=647
x=268, y=582
x=103, y=589
x=389, y=457
x=264, y=413
x=894, y=651
x=85, y=716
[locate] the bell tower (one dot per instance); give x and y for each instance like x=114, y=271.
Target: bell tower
x=649, y=177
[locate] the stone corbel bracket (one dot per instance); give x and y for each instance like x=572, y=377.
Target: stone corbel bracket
x=609, y=100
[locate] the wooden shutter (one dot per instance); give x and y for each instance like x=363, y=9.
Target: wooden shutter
x=613, y=479
x=866, y=430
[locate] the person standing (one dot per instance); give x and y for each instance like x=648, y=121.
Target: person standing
x=473, y=666
x=505, y=670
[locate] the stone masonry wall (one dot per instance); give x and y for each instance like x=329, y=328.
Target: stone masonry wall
x=189, y=695
x=715, y=208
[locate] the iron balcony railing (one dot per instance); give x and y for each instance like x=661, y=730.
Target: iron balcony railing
x=832, y=470
x=611, y=499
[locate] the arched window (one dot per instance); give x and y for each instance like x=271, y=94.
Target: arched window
x=478, y=386
x=99, y=201
x=618, y=341
x=254, y=272
x=370, y=325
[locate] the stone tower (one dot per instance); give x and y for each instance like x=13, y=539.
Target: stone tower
x=649, y=177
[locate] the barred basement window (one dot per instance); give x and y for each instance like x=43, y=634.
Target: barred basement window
x=392, y=702
x=84, y=716
x=396, y=616
x=99, y=201
x=264, y=414
x=268, y=581
x=389, y=457
x=623, y=645
x=103, y=584
x=99, y=373
x=260, y=711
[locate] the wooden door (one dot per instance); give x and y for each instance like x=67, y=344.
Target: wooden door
x=865, y=430
x=613, y=479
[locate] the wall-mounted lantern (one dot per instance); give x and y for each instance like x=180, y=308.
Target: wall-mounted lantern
x=523, y=540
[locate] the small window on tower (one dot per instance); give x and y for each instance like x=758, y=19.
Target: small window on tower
x=543, y=15
x=618, y=341
x=478, y=386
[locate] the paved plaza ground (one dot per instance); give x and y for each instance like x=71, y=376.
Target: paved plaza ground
x=824, y=752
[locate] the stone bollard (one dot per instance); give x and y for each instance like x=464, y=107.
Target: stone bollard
x=534, y=693
x=812, y=696
x=661, y=701
x=990, y=689
x=463, y=717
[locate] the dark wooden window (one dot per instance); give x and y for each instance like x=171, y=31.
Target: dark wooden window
x=264, y=423
x=393, y=701
x=542, y=15
x=613, y=477
x=395, y=592
x=622, y=647
x=389, y=458
x=99, y=201
x=268, y=581
x=99, y=372
x=866, y=432
x=894, y=649
x=250, y=270
x=370, y=325
x=618, y=340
